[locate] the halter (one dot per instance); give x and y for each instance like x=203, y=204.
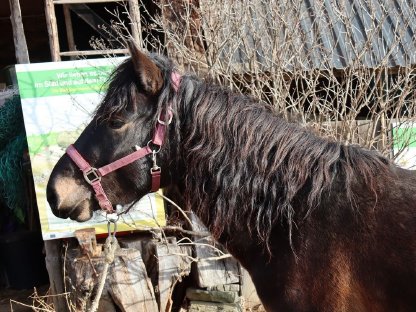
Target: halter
x=93, y=175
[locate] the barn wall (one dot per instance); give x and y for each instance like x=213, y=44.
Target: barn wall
x=35, y=30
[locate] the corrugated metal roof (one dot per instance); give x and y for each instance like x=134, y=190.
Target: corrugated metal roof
x=332, y=33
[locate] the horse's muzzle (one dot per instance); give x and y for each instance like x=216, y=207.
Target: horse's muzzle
x=69, y=199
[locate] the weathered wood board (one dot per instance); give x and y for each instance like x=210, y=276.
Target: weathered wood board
x=54, y=266
x=127, y=284
x=214, y=272
x=195, y=294
x=248, y=291
x=167, y=264
x=202, y=306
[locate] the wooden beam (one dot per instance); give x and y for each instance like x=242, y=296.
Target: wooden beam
x=104, y=29
x=129, y=285
x=52, y=30
x=174, y=264
x=136, y=28
x=56, y=279
x=94, y=52
x=69, y=29
x=84, y=1
x=20, y=46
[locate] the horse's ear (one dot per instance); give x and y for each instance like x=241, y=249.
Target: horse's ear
x=150, y=76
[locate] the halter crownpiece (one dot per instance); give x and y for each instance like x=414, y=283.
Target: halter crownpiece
x=93, y=175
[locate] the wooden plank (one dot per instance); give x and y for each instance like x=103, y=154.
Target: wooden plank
x=20, y=46
x=136, y=29
x=129, y=284
x=127, y=288
x=81, y=278
x=248, y=291
x=215, y=272
x=84, y=1
x=228, y=287
x=94, y=52
x=167, y=263
x=95, y=21
x=174, y=264
x=194, y=294
x=148, y=249
x=106, y=304
x=69, y=29
x=198, y=306
x=54, y=266
x=52, y=30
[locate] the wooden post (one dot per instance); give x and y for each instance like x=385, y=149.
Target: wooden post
x=136, y=28
x=52, y=30
x=20, y=46
x=69, y=30
x=54, y=267
x=174, y=263
x=166, y=264
x=127, y=287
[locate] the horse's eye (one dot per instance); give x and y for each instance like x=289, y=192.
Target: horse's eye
x=116, y=123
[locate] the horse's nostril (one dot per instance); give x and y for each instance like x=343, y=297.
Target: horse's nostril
x=62, y=214
x=52, y=199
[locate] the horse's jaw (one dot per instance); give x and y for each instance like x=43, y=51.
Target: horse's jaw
x=82, y=212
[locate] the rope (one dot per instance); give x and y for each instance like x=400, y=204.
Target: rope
x=110, y=248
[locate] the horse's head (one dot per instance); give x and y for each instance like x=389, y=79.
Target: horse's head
x=138, y=98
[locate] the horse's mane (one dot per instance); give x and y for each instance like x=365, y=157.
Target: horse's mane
x=248, y=168
x=245, y=166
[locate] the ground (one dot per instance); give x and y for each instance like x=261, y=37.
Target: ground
x=20, y=300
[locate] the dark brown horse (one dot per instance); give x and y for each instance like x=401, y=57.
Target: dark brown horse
x=320, y=226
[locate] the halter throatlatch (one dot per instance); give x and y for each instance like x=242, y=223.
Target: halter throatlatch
x=93, y=175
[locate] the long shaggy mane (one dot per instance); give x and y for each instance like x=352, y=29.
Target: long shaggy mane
x=248, y=168
x=245, y=167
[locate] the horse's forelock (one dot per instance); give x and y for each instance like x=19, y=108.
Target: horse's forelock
x=123, y=88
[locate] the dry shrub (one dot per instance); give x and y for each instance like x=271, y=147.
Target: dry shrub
x=344, y=70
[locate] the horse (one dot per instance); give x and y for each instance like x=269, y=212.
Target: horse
x=318, y=224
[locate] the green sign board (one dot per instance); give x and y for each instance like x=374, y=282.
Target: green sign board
x=43, y=83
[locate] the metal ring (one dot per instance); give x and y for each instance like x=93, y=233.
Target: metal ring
x=165, y=123
x=109, y=228
x=153, y=150
x=109, y=217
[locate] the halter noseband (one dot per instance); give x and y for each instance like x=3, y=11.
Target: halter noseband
x=93, y=175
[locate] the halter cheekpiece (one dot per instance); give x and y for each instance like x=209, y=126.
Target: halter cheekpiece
x=93, y=175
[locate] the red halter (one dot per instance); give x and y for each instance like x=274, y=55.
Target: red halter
x=93, y=175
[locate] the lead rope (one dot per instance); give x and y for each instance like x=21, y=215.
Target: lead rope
x=110, y=248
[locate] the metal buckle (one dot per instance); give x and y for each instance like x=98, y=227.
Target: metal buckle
x=92, y=176
x=155, y=169
x=153, y=149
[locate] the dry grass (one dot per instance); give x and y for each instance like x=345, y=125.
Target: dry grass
x=38, y=300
